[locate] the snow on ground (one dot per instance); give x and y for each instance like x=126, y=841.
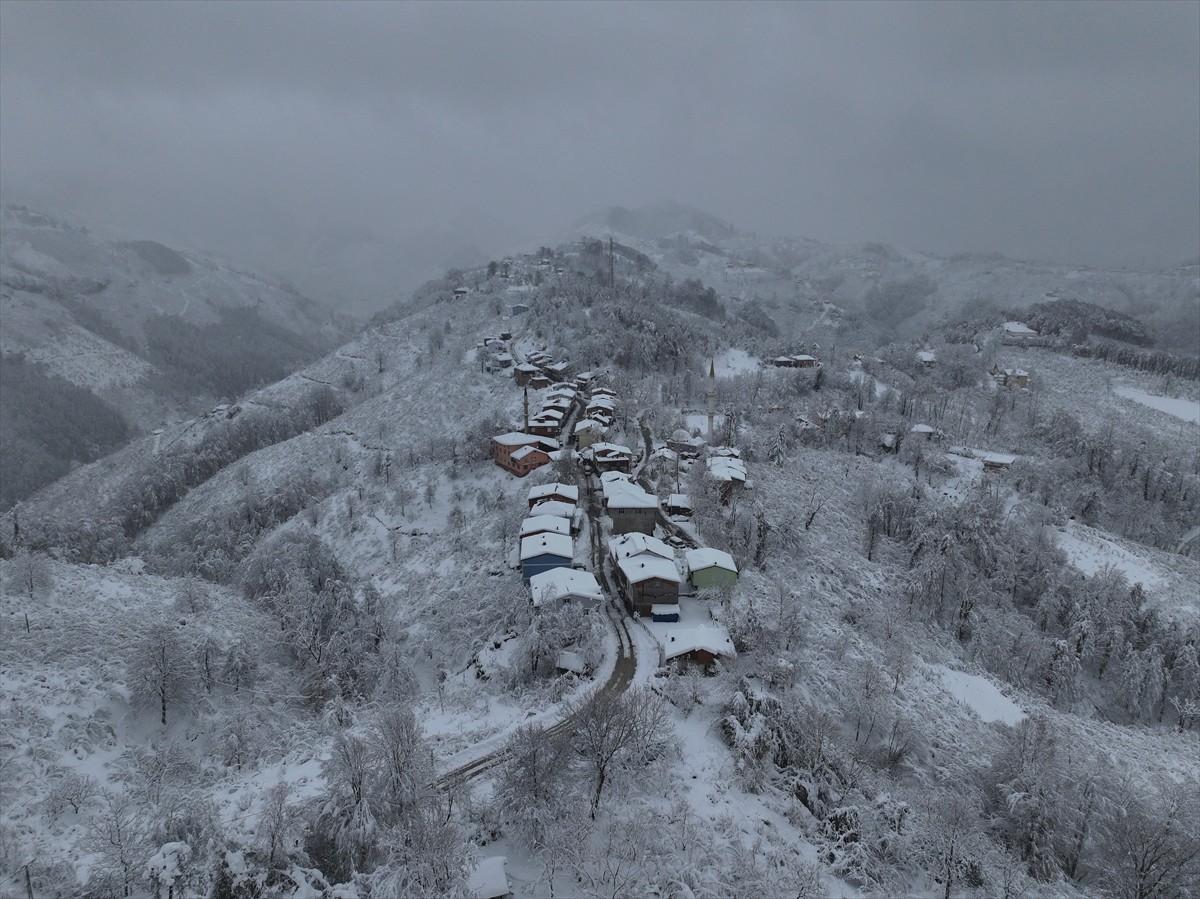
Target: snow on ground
x=979, y=694
x=1180, y=407
x=1091, y=551
x=734, y=362
x=695, y=420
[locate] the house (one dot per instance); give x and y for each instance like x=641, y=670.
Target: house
x=998, y=461
x=558, y=370
x=503, y=360
x=727, y=470
x=923, y=431
x=1011, y=377
x=700, y=643
x=566, y=585
x=545, y=524
x=518, y=308
x=928, y=358
x=567, y=493
x=583, y=379
x=627, y=546
x=524, y=373
x=528, y=458
x=629, y=506
x=588, y=432
x=708, y=567
x=544, y=552
x=503, y=447
x=800, y=361
x=604, y=457
x=545, y=426
x=680, y=504
x=460, y=292
x=1018, y=332
x=650, y=583
x=539, y=381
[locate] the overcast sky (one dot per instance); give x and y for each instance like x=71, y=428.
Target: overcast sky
x=1059, y=131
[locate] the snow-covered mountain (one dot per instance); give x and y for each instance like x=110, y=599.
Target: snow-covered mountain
x=149, y=332
x=888, y=289
x=273, y=648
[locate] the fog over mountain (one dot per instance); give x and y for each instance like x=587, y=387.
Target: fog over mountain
x=380, y=141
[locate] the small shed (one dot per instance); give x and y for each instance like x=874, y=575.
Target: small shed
x=701, y=643
x=518, y=308
x=544, y=552
x=928, y=358
x=998, y=461
x=923, y=431
x=708, y=567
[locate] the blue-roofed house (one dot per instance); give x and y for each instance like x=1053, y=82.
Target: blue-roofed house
x=545, y=552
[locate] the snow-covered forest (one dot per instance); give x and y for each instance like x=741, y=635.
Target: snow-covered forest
x=284, y=648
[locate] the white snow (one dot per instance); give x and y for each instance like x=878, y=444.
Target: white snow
x=979, y=694
x=734, y=362
x=1182, y=408
x=1091, y=552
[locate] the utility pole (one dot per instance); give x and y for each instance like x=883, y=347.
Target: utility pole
x=611, y=283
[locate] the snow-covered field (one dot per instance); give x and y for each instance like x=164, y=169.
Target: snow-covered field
x=1185, y=409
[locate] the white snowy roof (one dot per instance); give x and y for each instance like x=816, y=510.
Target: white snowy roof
x=610, y=476
x=645, y=566
x=999, y=458
x=707, y=557
x=922, y=429
x=679, y=499
x=1019, y=328
x=570, y=661
x=525, y=366
x=570, y=491
x=611, y=449
x=514, y=438
x=633, y=497
x=553, y=507
x=624, y=546
x=526, y=451
x=562, y=583
x=488, y=880
x=665, y=608
x=537, y=524
x=804, y=358
x=586, y=425
x=927, y=356
x=723, y=468
x=547, y=544
x=686, y=638
x=549, y=413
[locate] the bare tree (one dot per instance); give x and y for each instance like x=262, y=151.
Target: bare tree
x=160, y=671
x=1153, y=848
x=613, y=729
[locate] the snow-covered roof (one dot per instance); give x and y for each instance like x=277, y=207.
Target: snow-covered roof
x=923, y=429
x=537, y=524
x=728, y=451
x=682, y=500
x=1019, y=328
x=551, y=414
x=645, y=566
x=707, y=557
x=601, y=402
x=610, y=449
x=927, y=356
x=525, y=452
x=488, y=880
x=723, y=468
x=662, y=609
x=686, y=638
x=563, y=583
x=586, y=425
x=999, y=459
x=632, y=497
x=571, y=661
x=515, y=438
x=570, y=491
x=526, y=367
x=553, y=507
x=804, y=358
x=624, y=546
x=547, y=544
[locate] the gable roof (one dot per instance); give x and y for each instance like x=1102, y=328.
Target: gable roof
x=570, y=491
x=553, y=507
x=727, y=468
x=561, y=583
x=707, y=557
x=644, y=567
x=552, y=524
x=515, y=438
x=526, y=451
x=627, y=545
x=547, y=545
x=689, y=638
